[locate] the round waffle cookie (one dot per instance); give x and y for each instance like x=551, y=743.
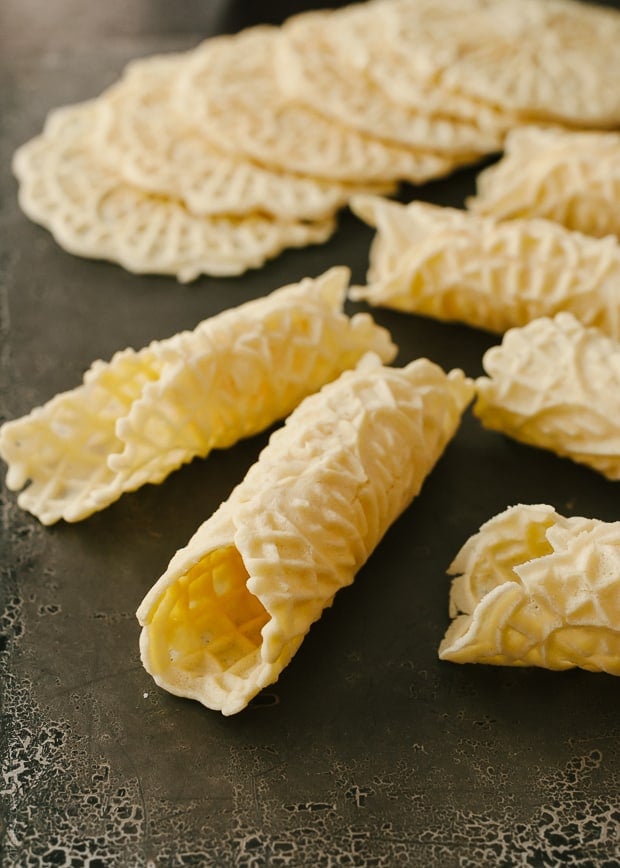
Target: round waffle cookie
x=570, y=177
x=230, y=89
x=313, y=67
x=371, y=39
x=533, y=588
x=552, y=60
x=154, y=146
x=555, y=384
x=93, y=212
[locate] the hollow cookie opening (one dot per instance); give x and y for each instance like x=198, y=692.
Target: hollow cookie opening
x=205, y=629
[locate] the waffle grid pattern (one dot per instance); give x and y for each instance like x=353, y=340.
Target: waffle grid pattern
x=142, y=133
x=317, y=74
x=231, y=90
x=92, y=212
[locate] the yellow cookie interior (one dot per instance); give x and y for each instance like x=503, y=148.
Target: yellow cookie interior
x=207, y=622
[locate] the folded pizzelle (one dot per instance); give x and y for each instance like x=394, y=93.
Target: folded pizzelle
x=556, y=384
x=143, y=414
x=457, y=266
x=533, y=588
x=570, y=177
x=234, y=605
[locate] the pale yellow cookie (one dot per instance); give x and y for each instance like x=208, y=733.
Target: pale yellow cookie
x=533, y=588
x=235, y=604
x=555, y=60
x=314, y=71
x=555, y=384
x=140, y=416
x=572, y=178
x=230, y=90
x=142, y=132
x=378, y=42
x=93, y=212
x=457, y=266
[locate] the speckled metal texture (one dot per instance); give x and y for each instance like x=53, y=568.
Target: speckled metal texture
x=368, y=751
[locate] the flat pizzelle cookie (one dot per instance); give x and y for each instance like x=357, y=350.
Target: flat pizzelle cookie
x=142, y=415
x=555, y=60
x=235, y=604
x=142, y=133
x=379, y=41
x=92, y=212
x=555, y=384
x=316, y=73
x=534, y=588
x=570, y=177
x=457, y=266
x=230, y=90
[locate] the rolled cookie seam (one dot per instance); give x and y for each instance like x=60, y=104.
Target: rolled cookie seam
x=142, y=415
x=533, y=588
x=555, y=384
x=234, y=605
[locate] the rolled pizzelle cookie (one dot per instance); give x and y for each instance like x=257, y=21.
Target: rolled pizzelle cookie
x=555, y=384
x=570, y=177
x=142, y=415
x=534, y=588
x=457, y=266
x=235, y=604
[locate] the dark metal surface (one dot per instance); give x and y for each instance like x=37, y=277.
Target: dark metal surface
x=369, y=750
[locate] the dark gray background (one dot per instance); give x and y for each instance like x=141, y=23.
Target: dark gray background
x=369, y=750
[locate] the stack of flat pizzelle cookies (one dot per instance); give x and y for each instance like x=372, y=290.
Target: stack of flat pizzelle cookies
x=213, y=160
